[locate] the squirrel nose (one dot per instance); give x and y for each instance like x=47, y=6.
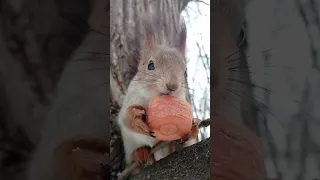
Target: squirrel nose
x=172, y=86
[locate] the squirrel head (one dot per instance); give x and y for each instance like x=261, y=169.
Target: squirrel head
x=162, y=61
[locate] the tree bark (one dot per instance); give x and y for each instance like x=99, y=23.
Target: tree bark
x=181, y=164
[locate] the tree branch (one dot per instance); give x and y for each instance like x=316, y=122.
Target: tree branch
x=192, y=162
x=129, y=169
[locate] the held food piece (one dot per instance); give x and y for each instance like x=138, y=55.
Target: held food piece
x=169, y=118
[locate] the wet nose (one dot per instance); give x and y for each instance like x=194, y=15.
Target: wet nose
x=172, y=86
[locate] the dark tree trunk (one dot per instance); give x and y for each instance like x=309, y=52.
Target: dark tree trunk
x=37, y=39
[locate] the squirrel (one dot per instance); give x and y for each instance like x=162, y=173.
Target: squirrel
x=161, y=70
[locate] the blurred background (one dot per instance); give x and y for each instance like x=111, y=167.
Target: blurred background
x=283, y=45
x=37, y=41
x=197, y=17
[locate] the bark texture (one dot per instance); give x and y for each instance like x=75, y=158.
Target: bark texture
x=191, y=163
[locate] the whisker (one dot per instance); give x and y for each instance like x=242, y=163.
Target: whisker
x=262, y=106
x=80, y=22
x=97, y=32
x=249, y=84
x=250, y=72
x=87, y=70
x=241, y=96
x=269, y=65
x=233, y=60
x=239, y=67
x=252, y=96
x=232, y=54
x=259, y=104
x=96, y=69
x=102, y=59
x=259, y=87
x=95, y=53
x=241, y=57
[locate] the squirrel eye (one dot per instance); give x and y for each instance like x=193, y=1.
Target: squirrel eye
x=185, y=74
x=150, y=65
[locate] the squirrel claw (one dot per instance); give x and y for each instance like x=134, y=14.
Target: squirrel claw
x=193, y=132
x=136, y=120
x=142, y=127
x=141, y=155
x=151, y=134
x=196, y=122
x=183, y=139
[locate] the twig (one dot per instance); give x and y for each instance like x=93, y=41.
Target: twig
x=199, y=1
x=204, y=123
x=134, y=165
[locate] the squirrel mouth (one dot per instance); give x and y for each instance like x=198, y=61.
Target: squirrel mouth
x=167, y=94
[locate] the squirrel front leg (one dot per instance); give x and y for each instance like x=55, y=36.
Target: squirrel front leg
x=193, y=132
x=136, y=122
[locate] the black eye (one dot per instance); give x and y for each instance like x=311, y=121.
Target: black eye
x=185, y=74
x=150, y=65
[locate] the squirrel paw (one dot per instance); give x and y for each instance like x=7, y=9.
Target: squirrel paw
x=193, y=133
x=137, y=120
x=141, y=155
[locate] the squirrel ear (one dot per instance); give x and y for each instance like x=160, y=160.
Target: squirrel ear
x=147, y=22
x=182, y=38
x=148, y=40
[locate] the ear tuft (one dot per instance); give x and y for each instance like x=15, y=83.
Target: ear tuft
x=182, y=37
x=148, y=22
